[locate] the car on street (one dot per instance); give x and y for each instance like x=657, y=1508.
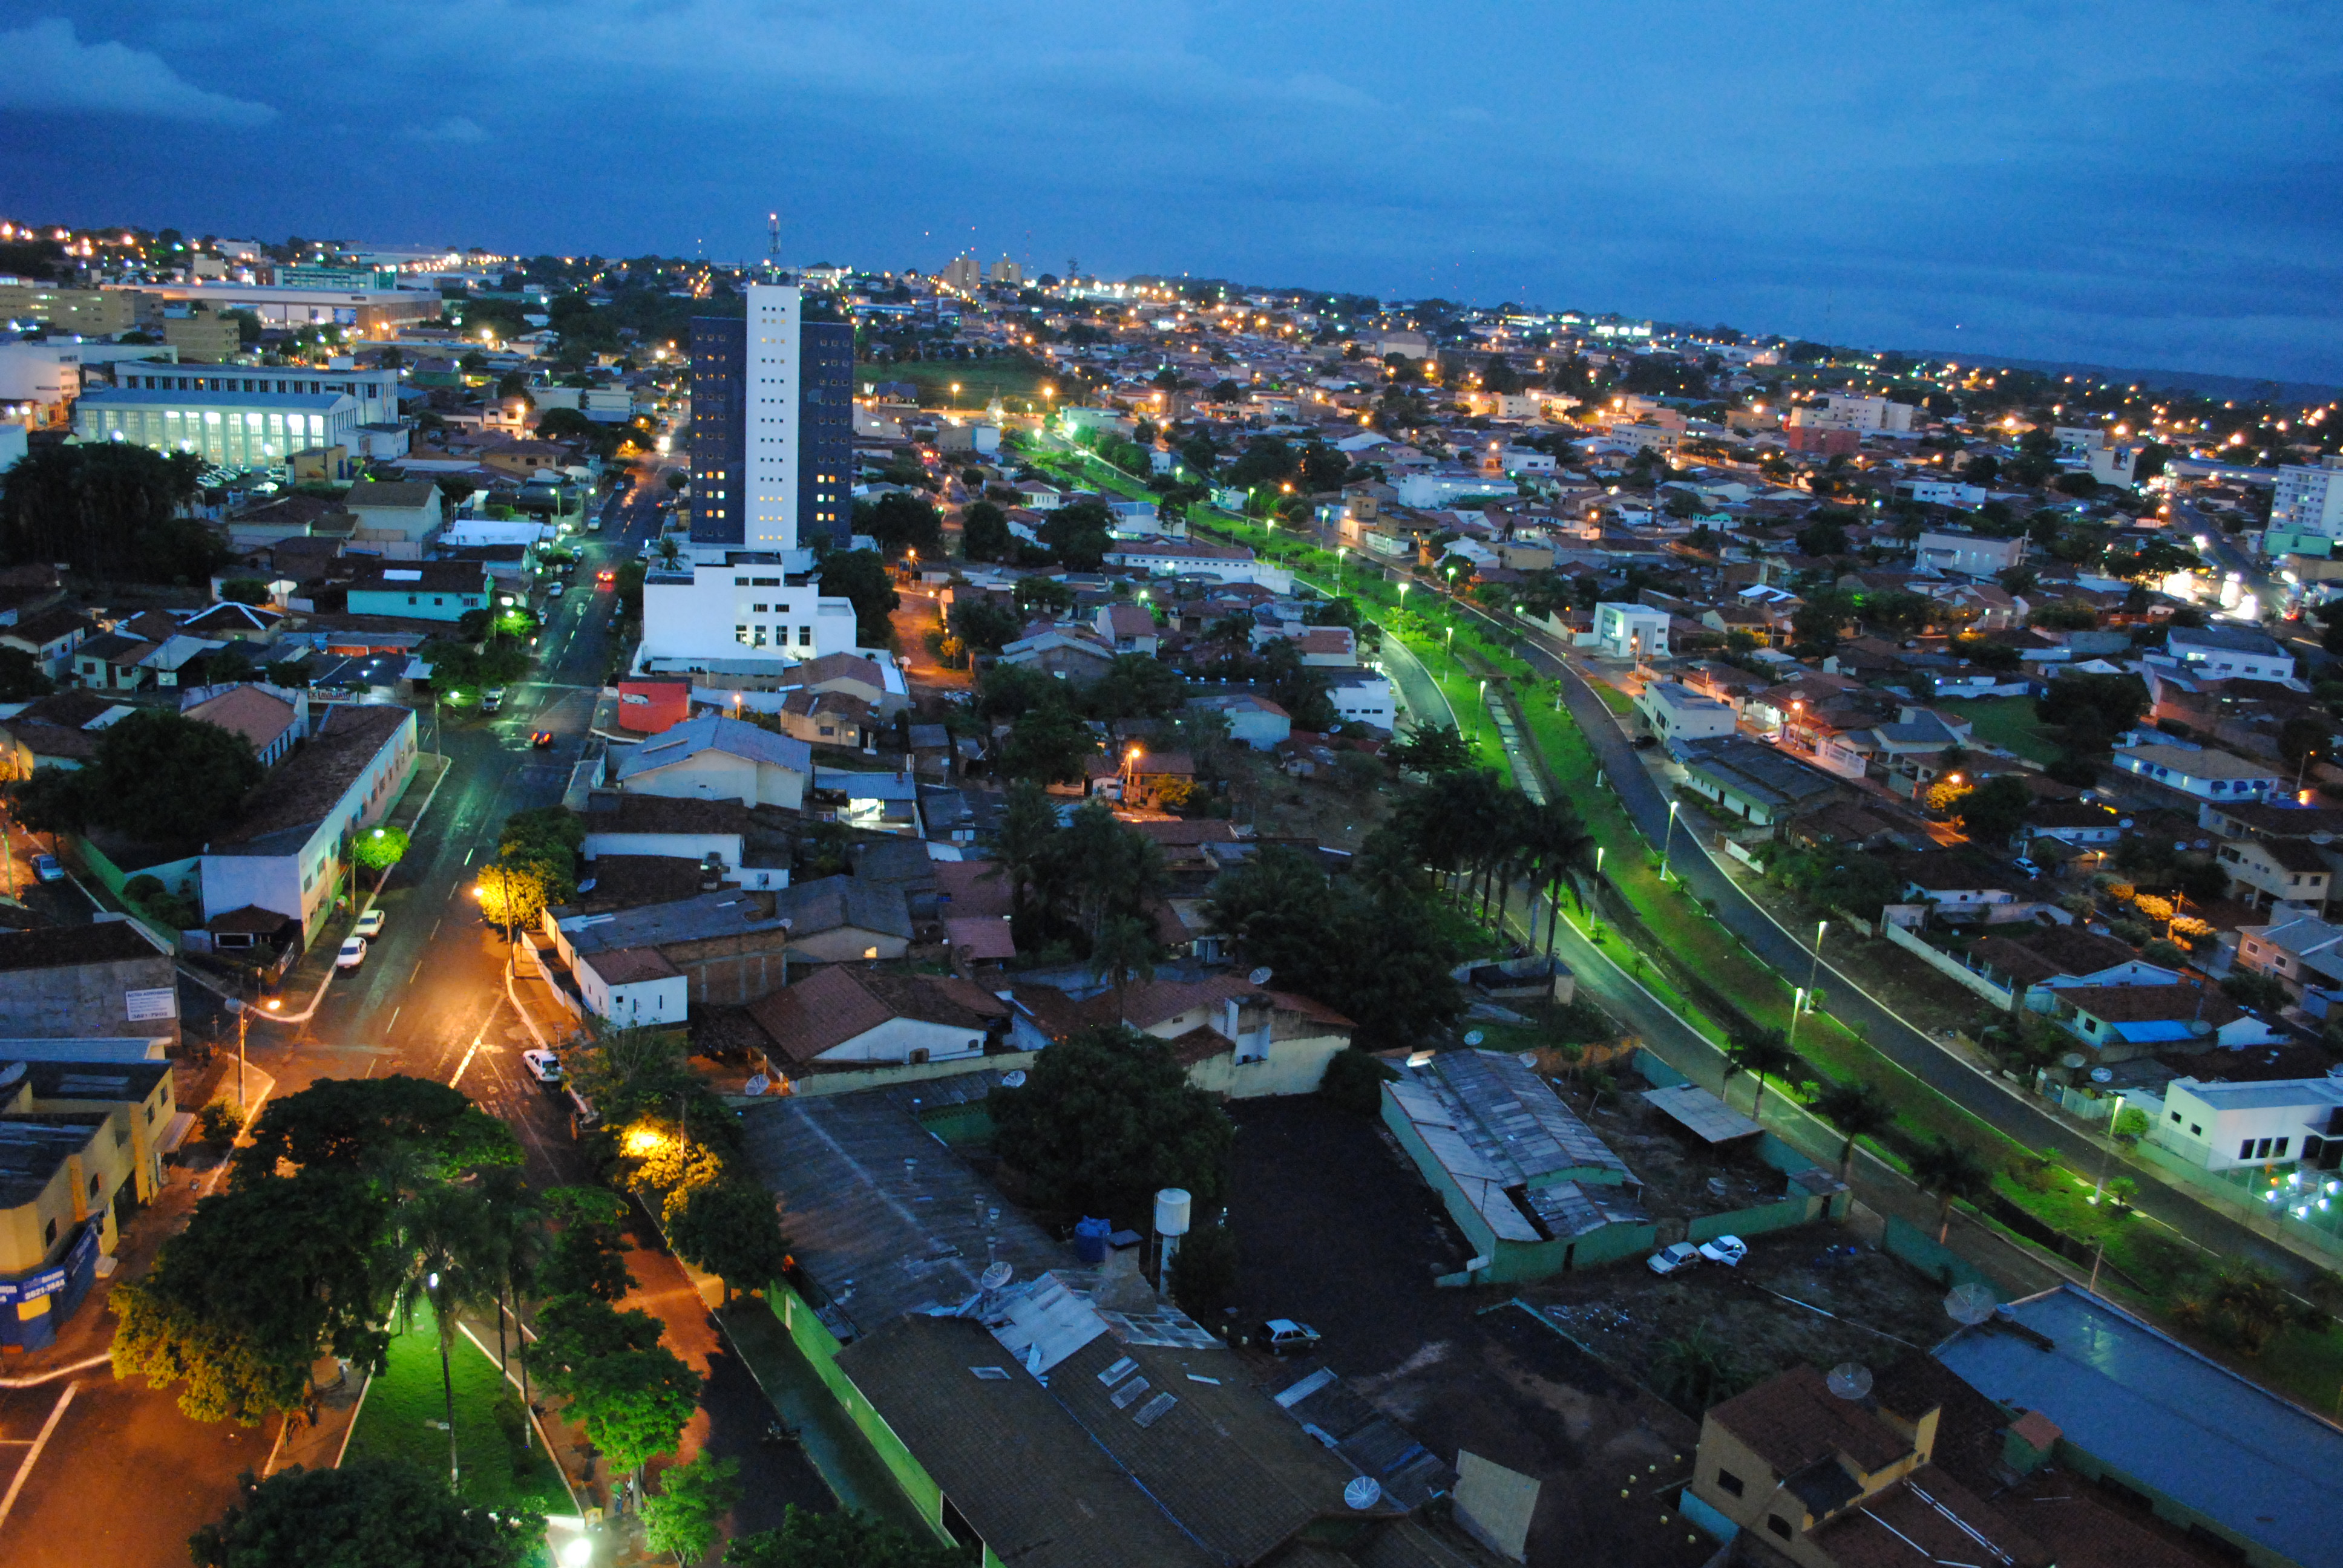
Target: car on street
x=1727, y=1249
x=1675, y=1255
x=541, y=739
x=556, y=591
x=369, y=924
x=2028, y=866
x=492, y=699
x=606, y=577
x=1283, y=1334
x=47, y=869
x=352, y=954
x=543, y=1066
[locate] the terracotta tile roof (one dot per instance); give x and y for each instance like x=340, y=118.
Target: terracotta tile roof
x=840, y=1002
x=626, y=966
x=2152, y=1003
x=62, y=947
x=1792, y=1421
x=250, y=712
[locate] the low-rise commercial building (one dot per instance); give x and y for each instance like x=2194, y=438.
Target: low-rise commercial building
x=233, y=429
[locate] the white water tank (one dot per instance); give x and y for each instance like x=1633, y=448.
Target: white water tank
x=1171, y=1210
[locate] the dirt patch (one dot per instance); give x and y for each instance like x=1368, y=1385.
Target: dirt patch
x=1335, y=1228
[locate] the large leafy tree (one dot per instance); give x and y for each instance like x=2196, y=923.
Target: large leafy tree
x=634, y=1405
x=902, y=521
x=731, y=1229
x=588, y=1254
x=109, y=508
x=158, y=775
x=368, y=1513
x=240, y=1303
x=860, y=575
x=1106, y=1118
x=984, y=532
x=1077, y=536
x=358, y=1125
x=575, y=1331
x=1368, y=947
x=692, y=1500
x=846, y=1539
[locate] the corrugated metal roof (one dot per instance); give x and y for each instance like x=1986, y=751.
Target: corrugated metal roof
x=1703, y=1113
x=2262, y=1468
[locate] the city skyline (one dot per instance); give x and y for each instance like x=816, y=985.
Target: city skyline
x=2132, y=188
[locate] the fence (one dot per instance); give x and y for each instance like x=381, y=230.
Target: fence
x=1902, y=1239
x=1943, y=964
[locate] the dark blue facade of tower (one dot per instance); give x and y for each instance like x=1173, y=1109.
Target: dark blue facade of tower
x=825, y=430
x=719, y=464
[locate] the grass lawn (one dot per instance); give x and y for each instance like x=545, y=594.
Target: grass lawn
x=404, y=1407
x=2008, y=722
x=981, y=381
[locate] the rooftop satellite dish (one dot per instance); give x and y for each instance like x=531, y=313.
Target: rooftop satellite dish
x=1363, y=1492
x=10, y=1072
x=2071, y=1061
x=996, y=1275
x=1526, y=1057
x=759, y=1084
x=1849, y=1379
x=2103, y=1075
x=1014, y=1078
x=1261, y=976
x=1474, y=1038
x=1970, y=1304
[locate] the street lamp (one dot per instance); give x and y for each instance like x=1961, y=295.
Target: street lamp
x=1668, y=849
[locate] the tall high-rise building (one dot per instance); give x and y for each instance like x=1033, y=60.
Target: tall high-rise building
x=772, y=426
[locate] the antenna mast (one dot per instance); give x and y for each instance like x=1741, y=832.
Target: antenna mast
x=773, y=244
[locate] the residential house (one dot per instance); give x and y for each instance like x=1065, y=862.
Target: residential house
x=270, y=723
x=1910, y=750
x=112, y=661
x=230, y=621
x=1255, y=721
x=713, y=757
x=2301, y=954
x=395, y=520
x=1364, y=697
x=731, y=946
x=286, y=852
x=1679, y=714
x=2123, y=1021
x=2222, y=1126
x=1233, y=1037
x=1064, y=652
x=829, y=719
x=1631, y=631
x=1963, y=884
x=2270, y=870
x=2208, y=775
x=868, y=681
x=705, y=832
x=845, y=1016
x=1761, y=784
x=1128, y=628
x=2229, y=651
x=418, y=591
x=49, y=638
x=1971, y=555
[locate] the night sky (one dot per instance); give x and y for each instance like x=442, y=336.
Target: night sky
x=2146, y=184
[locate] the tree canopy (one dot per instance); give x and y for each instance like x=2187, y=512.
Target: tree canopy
x=107, y=508
x=845, y=1539
x=1107, y=1116
x=368, y=1513
x=861, y=576
x=356, y=1124
x=160, y=776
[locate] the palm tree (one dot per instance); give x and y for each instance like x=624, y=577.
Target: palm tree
x=1559, y=847
x=446, y=1258
x=1858, y=1111
x=1759, y=1053
x=517, y=1239
x=1951, y=1171
x=1124, y=950
x=1029, y=838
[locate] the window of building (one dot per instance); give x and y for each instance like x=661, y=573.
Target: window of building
x=1780, y=1526
x=2195, y=1130
x=2278, y=1150
x=1728, y=1482
x=2246, y=1148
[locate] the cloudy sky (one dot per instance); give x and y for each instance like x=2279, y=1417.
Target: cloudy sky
x=2147, y=183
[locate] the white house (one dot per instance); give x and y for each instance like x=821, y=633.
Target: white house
x=740, y=612
x=632, y=986
x=2227, y=652
x=2221, y=1126
x=1364, y=697
x=1971, y=555
x=1631, y=630
x=846, y=1016
x=2207, y=773
x=286, y=852
x=1676, y=712
x=713, y=757
x=1256, y=721
x=707, y=832
x=1228, y=563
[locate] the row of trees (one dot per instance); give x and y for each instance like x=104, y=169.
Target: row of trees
x=110, y=509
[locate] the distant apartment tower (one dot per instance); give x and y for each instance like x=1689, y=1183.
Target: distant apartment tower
x=2307, y=500
x=963, y=273
x=1005, y=272
x=772, y=426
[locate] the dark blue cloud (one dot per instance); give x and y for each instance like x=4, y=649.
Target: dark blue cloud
x=2146, y=183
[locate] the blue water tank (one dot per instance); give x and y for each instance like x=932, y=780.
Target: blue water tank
x=1090, y=1239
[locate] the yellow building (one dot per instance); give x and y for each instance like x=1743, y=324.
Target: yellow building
x=202, y=337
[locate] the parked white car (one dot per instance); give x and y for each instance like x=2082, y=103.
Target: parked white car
x=352, y=954
x=1727, y=1249
x=369, y=924
x=543, y=1065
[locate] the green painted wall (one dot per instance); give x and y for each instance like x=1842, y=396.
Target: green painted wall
x=819, y=1347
